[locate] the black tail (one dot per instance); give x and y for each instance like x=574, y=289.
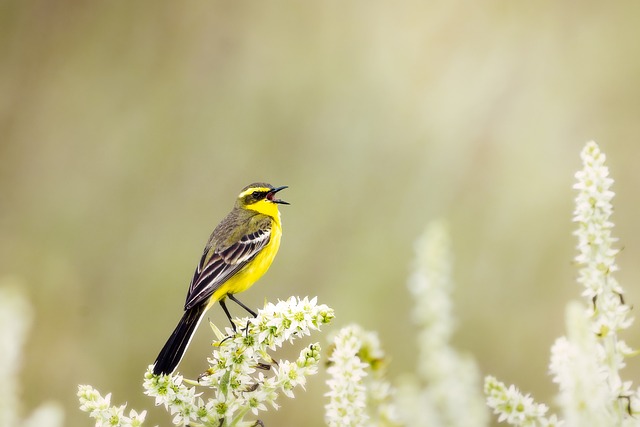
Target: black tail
x=172, y=352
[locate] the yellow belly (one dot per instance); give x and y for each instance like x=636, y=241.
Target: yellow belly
x=245, y=278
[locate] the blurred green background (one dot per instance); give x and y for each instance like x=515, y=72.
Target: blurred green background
x=127, y=129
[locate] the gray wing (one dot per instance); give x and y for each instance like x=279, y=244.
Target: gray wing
x=217, y=266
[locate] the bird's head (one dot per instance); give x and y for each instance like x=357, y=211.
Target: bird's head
x=261, y=197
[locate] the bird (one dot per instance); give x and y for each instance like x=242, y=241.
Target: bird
x=239, y=251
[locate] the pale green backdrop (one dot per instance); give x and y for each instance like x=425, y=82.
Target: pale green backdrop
x=127, y=128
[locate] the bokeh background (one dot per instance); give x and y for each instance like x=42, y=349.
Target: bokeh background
x=127, y=129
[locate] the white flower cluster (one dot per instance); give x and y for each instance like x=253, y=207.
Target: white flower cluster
x=242, y=377
x=430, y=284
x=15, y=320
x=577, y=369
x=595, y=244
x=516, y=408
x=356, y=383
x=447, y=379
x=347, y=395
x=100, y=408
x=586, y=363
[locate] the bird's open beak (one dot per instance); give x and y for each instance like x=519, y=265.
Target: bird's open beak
x=272, y=193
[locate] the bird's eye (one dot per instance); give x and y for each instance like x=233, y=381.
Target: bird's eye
x=256, y=194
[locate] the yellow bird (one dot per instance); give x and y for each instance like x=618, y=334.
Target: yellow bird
x=239, y=251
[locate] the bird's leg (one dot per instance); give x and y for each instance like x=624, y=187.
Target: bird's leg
x=234, y=299
x=253, y=313
x=226, y=311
